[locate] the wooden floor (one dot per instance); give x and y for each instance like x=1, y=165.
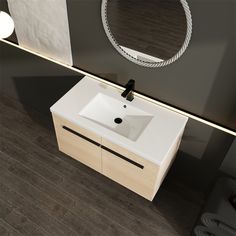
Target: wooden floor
x=44, y=192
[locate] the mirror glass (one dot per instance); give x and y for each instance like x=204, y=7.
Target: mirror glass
x=148, y=32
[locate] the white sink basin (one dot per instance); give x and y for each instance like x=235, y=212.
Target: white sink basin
x=117, y=116
x=147, y=130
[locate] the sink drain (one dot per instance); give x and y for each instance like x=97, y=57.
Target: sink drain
x=118, y=120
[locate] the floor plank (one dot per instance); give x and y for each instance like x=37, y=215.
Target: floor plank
x=8, y=229
x=32, y=187
x=16, y=223
x=33, y=213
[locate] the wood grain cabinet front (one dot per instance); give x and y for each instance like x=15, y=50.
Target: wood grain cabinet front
x=78, y=143
x=129, y=170
x=119, y=164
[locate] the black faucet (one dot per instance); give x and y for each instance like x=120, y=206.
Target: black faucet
x=128, y=93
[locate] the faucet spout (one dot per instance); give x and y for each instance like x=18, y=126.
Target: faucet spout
x=128, y=92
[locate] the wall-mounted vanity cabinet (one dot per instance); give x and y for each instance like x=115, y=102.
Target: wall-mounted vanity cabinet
x=78, y=143
x=136, y=152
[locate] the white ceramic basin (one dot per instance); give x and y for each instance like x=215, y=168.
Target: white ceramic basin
x=147, y=130
x=117, y=116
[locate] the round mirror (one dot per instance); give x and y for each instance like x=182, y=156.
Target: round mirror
x=150, y=33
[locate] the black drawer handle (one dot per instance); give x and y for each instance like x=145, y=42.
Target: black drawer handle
x=103, y=147
x=123, y=157
x=80, y=135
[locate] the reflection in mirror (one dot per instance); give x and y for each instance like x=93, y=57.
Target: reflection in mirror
x=148, y=32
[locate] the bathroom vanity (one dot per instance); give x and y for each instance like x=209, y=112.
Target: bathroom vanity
x=133, y=143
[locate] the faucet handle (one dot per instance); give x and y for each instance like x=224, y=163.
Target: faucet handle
x=131, y=82
x=128, y=92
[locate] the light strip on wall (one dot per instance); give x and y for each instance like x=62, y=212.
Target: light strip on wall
x=121, y=88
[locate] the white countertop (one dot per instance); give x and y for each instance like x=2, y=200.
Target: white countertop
x=155, y=141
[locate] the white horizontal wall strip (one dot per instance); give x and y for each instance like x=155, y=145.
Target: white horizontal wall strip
x=42, y=26
x=121, y=88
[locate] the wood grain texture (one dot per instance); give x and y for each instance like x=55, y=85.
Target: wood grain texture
x=141, y=181
x=79, y=201
x=132, y=171
x=76, y=147
x=126, y=174
x=8, y=230
x=154, y=27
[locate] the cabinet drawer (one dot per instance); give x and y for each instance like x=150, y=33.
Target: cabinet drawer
x=78, y=144
x=134, y=173
x=59, y=122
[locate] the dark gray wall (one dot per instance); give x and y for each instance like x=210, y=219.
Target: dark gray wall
x=229, y=164
x=201, y=82
x=32, y=80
